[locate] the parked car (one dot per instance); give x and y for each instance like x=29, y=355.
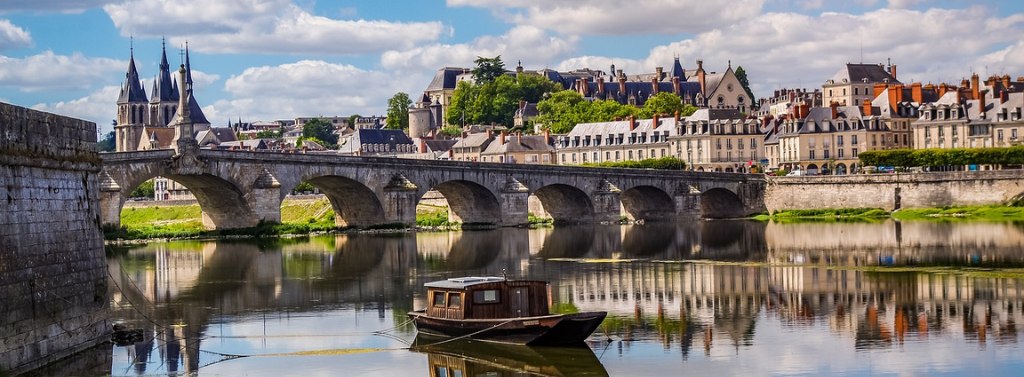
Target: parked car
x=796, y=173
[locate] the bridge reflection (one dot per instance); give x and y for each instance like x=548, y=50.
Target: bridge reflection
x=688, y=286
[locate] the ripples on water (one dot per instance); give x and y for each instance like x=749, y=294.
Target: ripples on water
x=728, y=297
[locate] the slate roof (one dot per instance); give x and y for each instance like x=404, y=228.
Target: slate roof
x=164, y=89
x=474, y=140
x=374, y=136
x=159, y=137
x=622, y=127
x=131, y=88
x=521, y=143
x=224, y=134
x=445, y=78
x=195, y=112
x=434, y=145
x=858, y=73
x=253, y=144
x=677, y=70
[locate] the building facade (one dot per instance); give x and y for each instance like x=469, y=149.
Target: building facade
x=854, y=83
x=624, y=140
x=719, y=140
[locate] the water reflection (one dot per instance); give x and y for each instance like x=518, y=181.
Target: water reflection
x=471, y=358
x=664, y=285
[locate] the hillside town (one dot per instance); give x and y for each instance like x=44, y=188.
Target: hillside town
x=798, y=131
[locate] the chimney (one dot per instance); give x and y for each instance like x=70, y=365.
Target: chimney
x=892, y=71
x=547, y=136
x=464, y=134
x=700, y=78
x=1006, y=82
x=519, y=138
x=975, y=86
x=835, y=109
x=490, y=134
x=501, y=138
x=895, y=92
x=942, y=89
x=677, y=117
x=676, y=88
x=620, y=74
x=660, y=72
x=981, y=104
x=866, y=107
x=654, y=86
x=423, y=146
x=622, y=85
x=915, y=92
x=600, y=85
x=1003, y=96
x=586, y=86
x=632, y=122
x=654, y=121
x=878, y=89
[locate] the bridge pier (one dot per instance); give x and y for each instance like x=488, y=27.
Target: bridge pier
x=687, y=200
x=607, y=203
x=265, y=199
x=515, y=203
x=400, y=198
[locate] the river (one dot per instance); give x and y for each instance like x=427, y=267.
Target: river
x=715, y=297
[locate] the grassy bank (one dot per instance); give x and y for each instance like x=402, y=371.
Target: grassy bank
x=969, y=213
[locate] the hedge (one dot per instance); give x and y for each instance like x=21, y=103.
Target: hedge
x=943, y=157
x=664, y=163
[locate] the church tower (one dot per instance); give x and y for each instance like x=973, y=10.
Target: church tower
x=131, y=109
x=197, y=118
x=163, y=103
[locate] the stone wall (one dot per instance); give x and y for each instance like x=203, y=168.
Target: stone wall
x=893, y=191
x=53, y=281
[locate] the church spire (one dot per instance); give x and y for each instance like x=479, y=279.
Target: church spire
x=131, y=89
x=163, y=86
x=188, y=70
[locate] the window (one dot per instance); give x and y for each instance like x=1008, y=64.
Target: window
x=854, y=152
x=853, y=139
x=439, y=298
x=488, y=296
x=454, y=300
x=840, y=153
x=839, y=140
x=826, y=154
x=999, y=135
x=811, y=154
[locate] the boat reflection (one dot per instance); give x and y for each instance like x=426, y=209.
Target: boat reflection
x=474, y=358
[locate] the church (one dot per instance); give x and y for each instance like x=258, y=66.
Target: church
x=144, y=122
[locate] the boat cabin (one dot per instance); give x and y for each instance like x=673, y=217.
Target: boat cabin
x=486, y=298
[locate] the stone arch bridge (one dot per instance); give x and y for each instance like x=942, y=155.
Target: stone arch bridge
x=240, y=189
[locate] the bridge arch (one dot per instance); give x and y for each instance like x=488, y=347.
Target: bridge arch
x=721, y=203
x=354, y=204
x=223, y=203
x=648, y=203
x=470, y=203
x=565, y=204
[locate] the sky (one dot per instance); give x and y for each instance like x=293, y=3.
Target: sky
x=280, y=59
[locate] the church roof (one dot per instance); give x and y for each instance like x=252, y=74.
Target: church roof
x=164, y=89
x=195, y=112
x=131, y=89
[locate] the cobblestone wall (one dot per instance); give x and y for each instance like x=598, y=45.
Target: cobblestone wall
x=53, y=280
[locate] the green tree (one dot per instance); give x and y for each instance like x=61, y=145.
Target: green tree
x=496, y=101
x=741, y=75
x=108, y=143
x=562, y=110
x=322, y=131
x=398, y=111
x=662, y=103
x=269, y=134
x=145, y=190
x=352, y=120
x=487, y=69
x=452, y=131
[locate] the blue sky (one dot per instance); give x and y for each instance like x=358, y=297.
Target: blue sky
x=280, y=59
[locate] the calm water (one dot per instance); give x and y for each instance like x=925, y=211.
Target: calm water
x=728, y=298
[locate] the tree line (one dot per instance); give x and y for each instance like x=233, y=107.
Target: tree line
x=943, y=157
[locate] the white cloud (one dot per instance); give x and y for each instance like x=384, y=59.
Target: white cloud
x=613, y=17
x=48, y=71
x=97, y=107
x=530, y=44
x=12, y=36
x=307, y=88
x=789, y=49
x=264, y=26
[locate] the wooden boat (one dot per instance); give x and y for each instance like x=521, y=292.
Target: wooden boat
x=499, y=310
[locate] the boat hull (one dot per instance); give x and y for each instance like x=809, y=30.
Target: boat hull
x=549, y=330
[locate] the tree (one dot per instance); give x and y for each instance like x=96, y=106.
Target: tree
x=398, y=111
x=662, y=103
x=145, y=190
x=559, y=112
x=108, y=143
x=496, y=101
x=352, y=120
x=321, y=130
x=741, y=75
x=269, y=134
x=487, y=69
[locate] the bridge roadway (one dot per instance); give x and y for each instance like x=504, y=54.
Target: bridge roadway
x=239, y=189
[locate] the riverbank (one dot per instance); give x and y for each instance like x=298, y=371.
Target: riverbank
x=969, y=213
